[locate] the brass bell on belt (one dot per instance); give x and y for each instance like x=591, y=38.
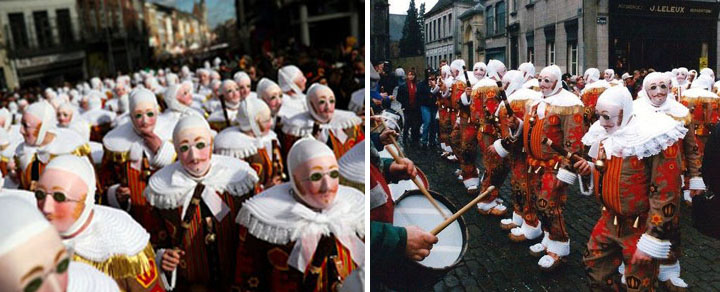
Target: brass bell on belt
x=210, y=238
x=600, y=165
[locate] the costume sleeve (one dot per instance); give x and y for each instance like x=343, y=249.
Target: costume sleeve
x=573, y=128
x=164, y=156
x=387, y=243
x=692, y=160
x=149, y=281
x=664, y=196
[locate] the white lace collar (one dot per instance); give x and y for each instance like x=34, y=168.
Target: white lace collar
x=125, y=138
x=65, y=142
x=276, y=217
x=233, y=142
x=172, y=187
x=82, y=277
x=111, y=232
x=671, y=106
x=302, y=124
x=647, y=134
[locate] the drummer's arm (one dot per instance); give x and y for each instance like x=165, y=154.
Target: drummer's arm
x=387, y=242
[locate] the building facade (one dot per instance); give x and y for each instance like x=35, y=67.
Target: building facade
x=443, y=40
x=115, y=35
x=172, y=31
x=472, y=23
x=625, y=35
x=379, y=30
x=42, y=43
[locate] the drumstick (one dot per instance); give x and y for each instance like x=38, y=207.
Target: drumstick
x=419, y=185
x=394, y=142
x=467, y=207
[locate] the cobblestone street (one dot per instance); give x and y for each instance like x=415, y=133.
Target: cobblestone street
x=494, y=263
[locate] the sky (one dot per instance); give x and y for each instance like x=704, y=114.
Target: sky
x=401, y=6
x=219, y=11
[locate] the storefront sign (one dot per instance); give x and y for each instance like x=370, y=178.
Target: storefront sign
x=48, y=59
x=602, y=20
x=684, y=9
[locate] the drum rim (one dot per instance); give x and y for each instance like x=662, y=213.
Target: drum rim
x=461, y=220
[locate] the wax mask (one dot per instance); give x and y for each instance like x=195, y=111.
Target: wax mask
x=194, y=149
x=300, y=81
x=184, y=94
x=144, y=117
x=682, y=76
x=264, y=121
x=657, y=91
x=323, y=102
x=61, y=197
x=317, y=179
x=480, y=72
x=64, y=116
x=232, y=93
x=273, y=97
x=243, y=88
x=609, y=116
x=40, y=264
x=30, y=128
x=547, y=83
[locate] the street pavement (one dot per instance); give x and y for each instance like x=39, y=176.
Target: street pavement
x=494, y=263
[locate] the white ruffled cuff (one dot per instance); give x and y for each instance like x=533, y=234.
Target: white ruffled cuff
x=465, y=99
x=164, y=156
x=697, y=183
x=168, y=283
x=112, y=198
x=587, y=191
x=501, y=151
x=656, y=248
x=517, y=219
x=566, y=176
x=532, y=232
x=559, y=248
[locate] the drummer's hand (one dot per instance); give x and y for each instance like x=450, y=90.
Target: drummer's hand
x=419, y=243
x=403, y=169
x=582, y=167
x=387, y=135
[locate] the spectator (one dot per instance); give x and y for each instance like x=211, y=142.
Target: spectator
x=408, y=95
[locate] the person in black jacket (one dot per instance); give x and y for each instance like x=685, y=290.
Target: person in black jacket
x=427, y=93
x=409, y=96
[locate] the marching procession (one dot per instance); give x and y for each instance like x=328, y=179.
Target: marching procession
x=182, y=180
x=634, y=144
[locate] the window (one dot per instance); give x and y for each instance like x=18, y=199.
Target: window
x=64, y=25
x=573, y=58
x=18, y=30
x=42, y=29
x=514, y=5
x=450, y=26
x=500, y=17
x=490, y=21
x=436, y=29
x=550, y=45
x=531, y=55
x=550, y=53
x=530, y=38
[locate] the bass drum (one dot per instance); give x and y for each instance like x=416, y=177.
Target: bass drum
x=401, y=187
x=413, y=208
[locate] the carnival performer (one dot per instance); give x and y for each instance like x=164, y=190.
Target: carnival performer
x=33, y=257
x=100, y=120
x=197, y=199
x=446, y=114
x=635, y=225
x=594, y=86
x=524, y=223
x=103, y=237
x=42, y=142
x=654, y=98
x=558, y=116
x=254, y=142
x=292, y=82
x=305, y=234
x=339, y=129
x=226, y=115
x=179, y=101
x=69, y=118
x=133, y=152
